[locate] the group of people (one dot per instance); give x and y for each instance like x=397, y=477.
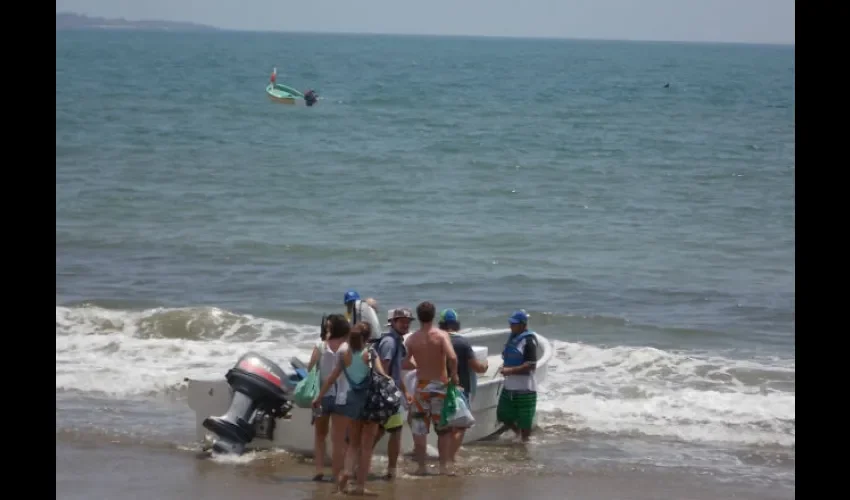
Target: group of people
x=353, y=344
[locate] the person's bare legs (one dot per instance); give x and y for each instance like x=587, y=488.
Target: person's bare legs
x=420, y=450
x=445, y=445
x=393, y=450
x=368, y=430
x=445, y=438
x=351, y=453
x=378, y=437
x=339, y=425
x=320, y=435
x=457, y=442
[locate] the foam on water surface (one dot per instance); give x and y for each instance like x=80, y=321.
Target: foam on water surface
x=688, y=396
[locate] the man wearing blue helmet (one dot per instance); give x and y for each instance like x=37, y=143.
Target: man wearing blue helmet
x=518, y=401
x=357, y=310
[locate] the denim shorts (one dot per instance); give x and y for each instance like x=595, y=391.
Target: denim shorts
x=329, y=405
x=355, y=401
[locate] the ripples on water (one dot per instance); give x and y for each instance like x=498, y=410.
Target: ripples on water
x=650, y=231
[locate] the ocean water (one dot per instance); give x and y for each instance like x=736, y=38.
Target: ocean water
x=649, y=231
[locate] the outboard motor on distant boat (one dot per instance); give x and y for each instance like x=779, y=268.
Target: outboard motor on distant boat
x=259, y=397
x=310, y=97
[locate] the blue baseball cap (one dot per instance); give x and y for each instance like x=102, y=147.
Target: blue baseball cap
x=518, y=317
x=351, y=296
x=448, y=315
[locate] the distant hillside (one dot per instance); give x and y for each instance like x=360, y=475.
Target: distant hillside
x=70, y=21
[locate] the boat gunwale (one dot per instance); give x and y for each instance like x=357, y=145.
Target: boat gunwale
x=282, y=91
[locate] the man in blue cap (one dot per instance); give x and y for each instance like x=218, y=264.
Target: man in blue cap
x=518, y=401
x=467, y=365
x=357, y=310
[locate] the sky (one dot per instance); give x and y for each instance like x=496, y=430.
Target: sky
x=741, y=21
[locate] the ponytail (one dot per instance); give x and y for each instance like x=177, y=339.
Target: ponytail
x=358, y=335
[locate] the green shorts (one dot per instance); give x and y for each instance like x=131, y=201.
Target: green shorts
x=517, y=409
x=395, y=422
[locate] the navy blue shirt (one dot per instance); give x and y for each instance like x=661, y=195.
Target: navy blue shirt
x=464, y=355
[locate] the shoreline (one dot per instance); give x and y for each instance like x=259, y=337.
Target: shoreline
x=86, y=469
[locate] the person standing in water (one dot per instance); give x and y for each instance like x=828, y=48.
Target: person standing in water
x=518, y=401
x=326, y=356
x=357, y=310
x=467, y=363
x=355, y=361
x=436, y=364
x=392, y=352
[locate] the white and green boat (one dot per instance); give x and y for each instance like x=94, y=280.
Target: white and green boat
x=285, y=94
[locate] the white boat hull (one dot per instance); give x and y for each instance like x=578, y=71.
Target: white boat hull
x=212, y=397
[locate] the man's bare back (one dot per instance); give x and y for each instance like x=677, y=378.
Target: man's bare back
x=430, y=349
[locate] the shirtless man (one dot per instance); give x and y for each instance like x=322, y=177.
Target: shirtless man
x=432, y=351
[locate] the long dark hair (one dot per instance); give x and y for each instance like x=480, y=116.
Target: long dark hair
x=339, y=326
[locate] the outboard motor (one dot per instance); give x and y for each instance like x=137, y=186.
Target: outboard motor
x=259, y=397
x=310, y=97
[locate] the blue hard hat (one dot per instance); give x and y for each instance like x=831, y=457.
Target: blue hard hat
x=351, y=296
x=518, y=317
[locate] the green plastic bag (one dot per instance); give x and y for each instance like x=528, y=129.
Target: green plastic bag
x=307, y=389
x=449, y=404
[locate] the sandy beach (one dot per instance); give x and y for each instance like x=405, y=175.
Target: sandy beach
x=87, y=469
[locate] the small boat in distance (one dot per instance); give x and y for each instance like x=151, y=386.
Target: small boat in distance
x=285, y=94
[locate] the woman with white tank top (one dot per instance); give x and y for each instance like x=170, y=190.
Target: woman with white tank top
x=326, y=354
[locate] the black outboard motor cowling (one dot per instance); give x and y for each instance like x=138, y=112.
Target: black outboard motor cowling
x=259, y=397
x=310, y=97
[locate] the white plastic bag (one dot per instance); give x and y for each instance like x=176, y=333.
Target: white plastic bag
x=462, y=417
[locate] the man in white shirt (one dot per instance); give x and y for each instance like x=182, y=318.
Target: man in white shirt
x=357, y=310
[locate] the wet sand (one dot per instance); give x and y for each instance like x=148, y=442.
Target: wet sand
x=97, y=470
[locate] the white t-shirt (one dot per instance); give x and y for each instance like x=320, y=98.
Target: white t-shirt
x=364, y=312
x=342, y=380
x=327, y=362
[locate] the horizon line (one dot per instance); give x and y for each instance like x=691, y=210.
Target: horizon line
x=417, y=34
